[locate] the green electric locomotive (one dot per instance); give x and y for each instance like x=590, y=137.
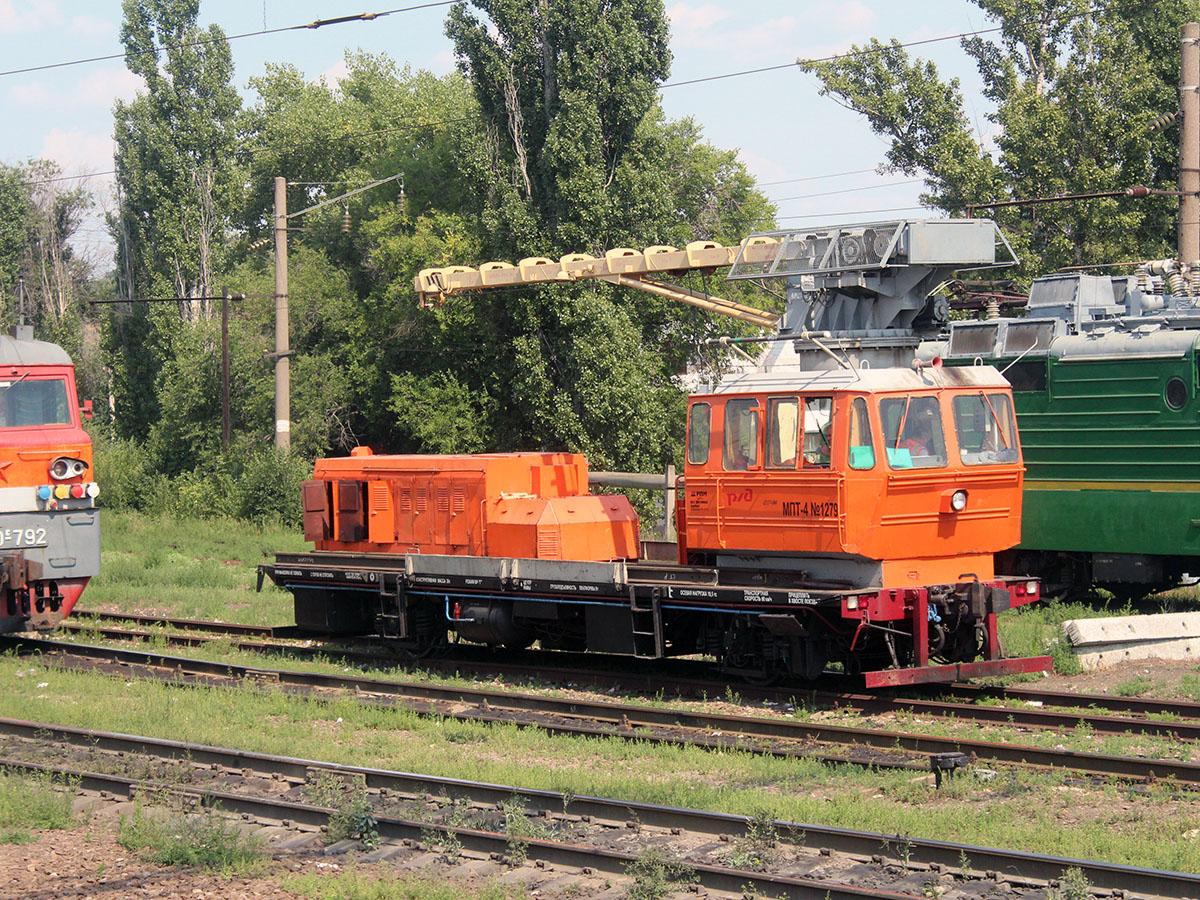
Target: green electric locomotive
x=1105, y=376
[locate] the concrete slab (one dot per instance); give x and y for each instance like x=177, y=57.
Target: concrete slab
x=1100, y=643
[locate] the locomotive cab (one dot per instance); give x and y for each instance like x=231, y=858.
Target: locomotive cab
x=886, y=478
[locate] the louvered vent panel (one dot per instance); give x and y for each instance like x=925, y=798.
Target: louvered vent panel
x=443, y=500
x=406, y=503
x=548, y=543
x=459, y=500
x=379, y=498
x=422, y=500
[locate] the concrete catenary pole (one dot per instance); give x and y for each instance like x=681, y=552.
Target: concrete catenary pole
x=283, y=389
x=1189, y=146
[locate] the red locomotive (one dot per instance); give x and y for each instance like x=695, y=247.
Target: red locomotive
x=830, y=513
x=49, y=525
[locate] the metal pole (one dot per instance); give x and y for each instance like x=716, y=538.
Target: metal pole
x=1189, y=145
x=283, y=400
x=669, y=500
x=225, y=424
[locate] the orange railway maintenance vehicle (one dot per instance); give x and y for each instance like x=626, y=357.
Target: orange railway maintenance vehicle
x=840, y=503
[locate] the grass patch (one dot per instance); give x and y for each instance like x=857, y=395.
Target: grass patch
x=204, y=839
x=1134, y=687
x=206, y=570
x=35, y=801
x=192, y=568
x=17, y=836
x=357, y=886
x=1019, y=809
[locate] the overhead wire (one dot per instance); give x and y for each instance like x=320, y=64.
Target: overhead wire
x=869, y=187
x=200, y=42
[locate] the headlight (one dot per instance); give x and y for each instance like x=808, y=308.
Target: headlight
x=67, y=467
x=1031, y=587
x=958, y=502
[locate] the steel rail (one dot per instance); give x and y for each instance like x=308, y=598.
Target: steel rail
x=1022, y=693
x=618, y=720
x=877, y=703
x=181, y=624
x=394, y=829
x=847, y=841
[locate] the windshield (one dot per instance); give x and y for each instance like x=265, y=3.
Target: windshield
x=912, y=432
x=984, y=423
x=29, y=402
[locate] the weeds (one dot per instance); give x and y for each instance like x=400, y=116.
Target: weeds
x=353, y=816
x=36, y=801
x=654, y=874
x=753, y=852
x=451, y=846
x=176, y=838
x=520, y=828
x=1135, y=687
x=1073, y=886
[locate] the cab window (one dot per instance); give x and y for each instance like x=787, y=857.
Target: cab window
x=984, y=426
x=30, y=402
x=741, y=435
x=862, y=447
x=912, y=432
x=818, y=416
x=699, y=422
x=783, y=427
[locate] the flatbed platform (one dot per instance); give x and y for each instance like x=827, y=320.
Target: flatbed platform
x=551, y=579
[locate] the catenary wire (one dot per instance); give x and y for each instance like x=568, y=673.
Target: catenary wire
x=199, y=42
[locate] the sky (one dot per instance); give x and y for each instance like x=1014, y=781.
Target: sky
x=816, y=160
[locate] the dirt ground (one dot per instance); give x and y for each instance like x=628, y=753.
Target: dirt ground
x=87, y=862
x=1164, y=676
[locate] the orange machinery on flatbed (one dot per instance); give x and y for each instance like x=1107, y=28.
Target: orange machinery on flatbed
x=829, y=513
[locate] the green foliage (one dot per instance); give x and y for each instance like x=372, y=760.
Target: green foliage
x=203, y=839
x=397, y=886
x=1134, y=687
x=655, y=874
x=1073, y=886
x=353, y=816
x=34, y=801
x=1075, y=88
x=258, y=485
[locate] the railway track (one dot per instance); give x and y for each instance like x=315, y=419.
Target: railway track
x=790, y=859
x=1058, y=710
x=777, y=737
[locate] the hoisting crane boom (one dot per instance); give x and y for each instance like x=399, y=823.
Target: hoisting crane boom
x=623, y=266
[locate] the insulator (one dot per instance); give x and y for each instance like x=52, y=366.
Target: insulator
x=1175, y=284
x=1194, y=278
x=346, y=221
x=1161, y=122
x=993, y=309
x=1143, y=278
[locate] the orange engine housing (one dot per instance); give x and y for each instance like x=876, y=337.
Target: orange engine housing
x=520, y=505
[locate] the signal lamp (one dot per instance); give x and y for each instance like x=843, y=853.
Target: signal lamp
x=44, y=492
x=1031, y=587
x=62, y=491
x=77, y=491
x=93, y=490
x=67, y=467
x=953, y=501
